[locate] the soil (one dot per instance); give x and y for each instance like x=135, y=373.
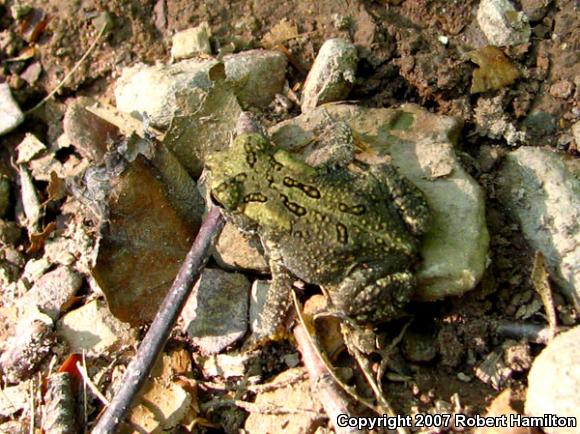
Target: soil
x=402, y=60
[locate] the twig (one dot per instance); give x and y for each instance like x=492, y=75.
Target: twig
x=139, y=368
x=88, y=382
x=70, y=73
x=321, y=381
x=536, y=333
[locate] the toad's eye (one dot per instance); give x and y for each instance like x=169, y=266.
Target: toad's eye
x=228, y=194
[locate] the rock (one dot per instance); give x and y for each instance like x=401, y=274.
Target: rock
x=420, y=145
x=419, y=347
x=28, y=348
x=256, y=76
x=12, y=400
x=10, y=114
x=192, y=137
x=192, y=41
x=32, y=73
x=502, y=24
x=4, y=196
x=539, y=124
x=153, y=89
x=59, y=405
x=332, y=74
x=295, y=395
x=535, y=10
x=29, y=148
x=228, y=366
x=234, y=250
x=31, y=205
x=554, y=381
x=543, y=194
x=492, y=121
x=162, y=407
x=93, y=329
x=258, y=296
x=10, y=232
x=561, y=89
x=517, y=355
x=53, y=291
x=216, y=313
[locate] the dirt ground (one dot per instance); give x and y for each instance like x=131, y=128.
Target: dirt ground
x=402, y=59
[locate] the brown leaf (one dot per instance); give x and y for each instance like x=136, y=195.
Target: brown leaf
x=279, y=34
x=37, y=239
x=56, y=187
x=495, y=70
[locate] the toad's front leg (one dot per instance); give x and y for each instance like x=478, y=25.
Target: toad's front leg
x=271, y=321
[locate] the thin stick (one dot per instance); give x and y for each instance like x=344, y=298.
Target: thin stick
x=70, y=73
x=139, y=368
x=321, y=381
x=88, y=382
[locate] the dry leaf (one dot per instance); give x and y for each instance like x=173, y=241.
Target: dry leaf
x=495, y=70
x=37, y=239
x=279, y=34
x=56, y=187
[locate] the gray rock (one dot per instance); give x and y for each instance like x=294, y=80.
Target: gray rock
x=92, y=328
x=192, y=41
x=332, y=74
x=554, y=381
x=53, y=291
x=258, y=296
x=29, y=347
x=543, y=194
x=10, y=114
x=419, y=347
x=153, y=89
x=535, y=10
x=256, y=76
x=216, y=313
x=502, y=24
x=539, y=124
x=10, y=232
x=228, y=366
x=420, y=145
x=29, y=148
x=234, y=250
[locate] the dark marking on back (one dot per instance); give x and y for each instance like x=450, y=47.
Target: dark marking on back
x=309, y=190
x=293, y=207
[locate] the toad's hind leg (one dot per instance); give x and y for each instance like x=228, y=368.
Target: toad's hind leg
x=367, y=295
